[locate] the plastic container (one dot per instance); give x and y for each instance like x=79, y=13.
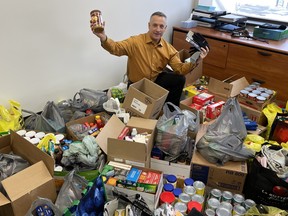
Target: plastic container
x=97, y=21
x=172, y=179
x=167, y=197
x=168, y=187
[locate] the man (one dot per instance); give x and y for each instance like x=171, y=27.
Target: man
x=149, y=54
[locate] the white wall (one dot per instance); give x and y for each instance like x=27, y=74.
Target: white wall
x=47, y=51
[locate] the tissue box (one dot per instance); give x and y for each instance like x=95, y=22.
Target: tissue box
x=188, y=24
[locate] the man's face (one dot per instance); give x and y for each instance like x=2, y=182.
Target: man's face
x=157, y=27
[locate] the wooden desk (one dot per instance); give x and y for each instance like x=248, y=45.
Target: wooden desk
x=256, y=60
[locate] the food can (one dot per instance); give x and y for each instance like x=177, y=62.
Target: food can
x=248, y=203
x=213, y=203
x=226, y=205
x=239, y=210
x=194, y=204
x=181, y=207
x=198, y=198
x=216, y=193
x=269, y=92
x=237, y=199
x=252, y=96
x=185, y=198
x=223, y=212
x=200, y=187
x=244, y=93
x=253, y=87
x=256, y=92
x=97, y=21
x=265, y=95
x=261, y=89
x=227, y=196
x=209, y=212
x=190, y=190
x=248, y=89
x=260, y=99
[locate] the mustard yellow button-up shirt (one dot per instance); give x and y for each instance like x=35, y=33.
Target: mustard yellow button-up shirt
x=146, y=59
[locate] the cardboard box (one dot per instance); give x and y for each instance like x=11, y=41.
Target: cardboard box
x=254, y=104
x=27, y=185
x=134, y=153
x=89, y=119
x=254, y=115
x=229, y=87
x=185, y=105
x=152, y=199
x=145, y=99
x=272, y=34
x=230, y=177
x=196, y=73
x=180, y=170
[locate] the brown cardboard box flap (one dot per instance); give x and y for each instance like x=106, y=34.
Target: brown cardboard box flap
x=112, y=129
x=133, y=151
x=229, y=87
x=26, y=180
x=142, y=123
x=150, y=88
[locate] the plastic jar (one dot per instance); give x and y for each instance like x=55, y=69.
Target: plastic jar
x=97, y=21
x=194, y=204
x=188, y=182
x=167, y=197
x=168, y=187
x=172, y=179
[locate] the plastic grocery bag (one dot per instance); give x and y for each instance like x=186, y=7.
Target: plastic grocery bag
x=11, y=119
x=224, y=138
x=51, y=119
x=89, y=99
x=71, y=190
x=172, y=128
x=43, y=205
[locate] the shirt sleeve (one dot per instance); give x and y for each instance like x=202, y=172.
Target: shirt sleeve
x=180, y=67
x=118, y=48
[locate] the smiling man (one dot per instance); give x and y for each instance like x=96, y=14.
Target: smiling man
x=149, y=54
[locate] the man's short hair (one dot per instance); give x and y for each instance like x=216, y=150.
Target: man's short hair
x=158, y=13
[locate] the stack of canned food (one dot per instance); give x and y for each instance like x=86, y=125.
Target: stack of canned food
x=193, y=194
x=225, y=203
x=186, y=198
x=256, y=93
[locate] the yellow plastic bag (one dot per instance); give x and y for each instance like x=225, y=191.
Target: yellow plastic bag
x=270, y=111
x=11, y=119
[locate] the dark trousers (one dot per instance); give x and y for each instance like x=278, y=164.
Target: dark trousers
x=172, y=82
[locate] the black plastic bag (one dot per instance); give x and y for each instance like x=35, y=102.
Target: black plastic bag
x=265, y=187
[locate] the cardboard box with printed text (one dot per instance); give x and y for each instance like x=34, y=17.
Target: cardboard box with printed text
x=145, y=99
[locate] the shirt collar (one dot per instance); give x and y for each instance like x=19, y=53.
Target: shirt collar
x=149, y=40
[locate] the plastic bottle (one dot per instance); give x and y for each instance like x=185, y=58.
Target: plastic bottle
x=134, y=132
x=99, y=121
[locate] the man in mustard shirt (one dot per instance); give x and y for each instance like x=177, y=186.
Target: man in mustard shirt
x=149, y=54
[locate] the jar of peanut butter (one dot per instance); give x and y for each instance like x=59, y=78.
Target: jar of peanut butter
x=96, y=21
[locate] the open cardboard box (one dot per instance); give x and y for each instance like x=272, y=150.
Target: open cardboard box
x=151, y=199
x=229, y=87
x=133, y=153
x=231, y=176
x=27, y=185
x=89, y=119
x=145, y=99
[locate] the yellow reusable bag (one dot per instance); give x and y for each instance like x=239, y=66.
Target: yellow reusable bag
x=11, y=119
